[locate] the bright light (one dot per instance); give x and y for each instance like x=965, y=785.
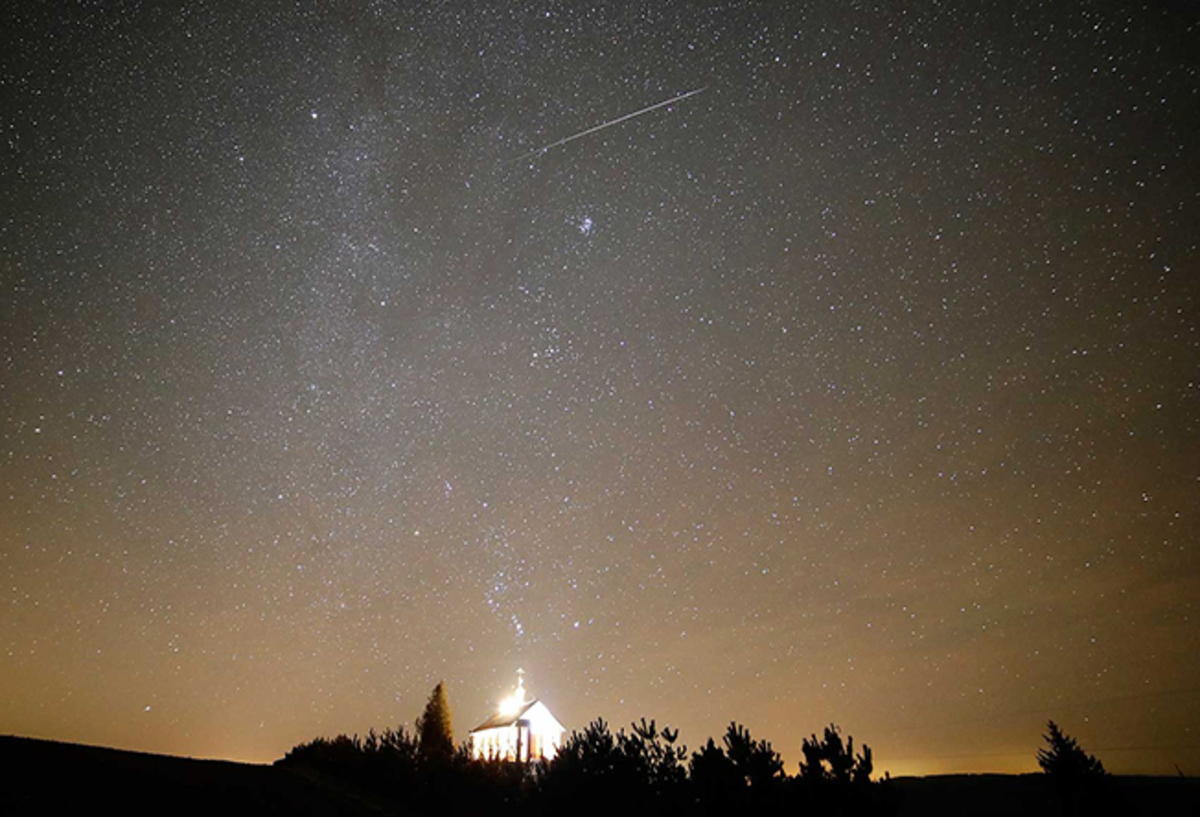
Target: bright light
x=512, y=704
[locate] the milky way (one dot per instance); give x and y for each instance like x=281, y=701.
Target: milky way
x=862, y=387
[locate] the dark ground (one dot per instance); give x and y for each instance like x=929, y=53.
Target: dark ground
x=1029, y=796
x=46, y=778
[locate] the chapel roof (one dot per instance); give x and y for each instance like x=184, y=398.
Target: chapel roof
x=505, y=719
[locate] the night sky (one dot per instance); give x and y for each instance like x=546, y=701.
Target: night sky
x=862, y=386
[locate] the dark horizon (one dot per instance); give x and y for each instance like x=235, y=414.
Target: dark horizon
x=861, y=387
x=135, y=783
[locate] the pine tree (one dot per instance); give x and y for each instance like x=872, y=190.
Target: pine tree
x=435, y=735
x=829, y=759
x=1065, y=760
x=1078, y=778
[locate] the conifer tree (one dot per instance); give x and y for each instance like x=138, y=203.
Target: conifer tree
x=435, y=735
x=1064, y=759
x=1078, y=778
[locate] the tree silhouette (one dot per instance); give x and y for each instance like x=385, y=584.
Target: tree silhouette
x=716, y=782
x=745, y=774
x=655, y=755
x=435, y=735
x=1079, y=778
x=863, y=765
x=755, y=760
x=598, y=772
x=1064, y=760
x=588, y=773
x=830, y=760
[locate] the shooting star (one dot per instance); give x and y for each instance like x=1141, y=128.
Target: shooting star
x=608, y=124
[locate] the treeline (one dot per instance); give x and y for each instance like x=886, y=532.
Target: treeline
x=646, y=770
x=643, y=771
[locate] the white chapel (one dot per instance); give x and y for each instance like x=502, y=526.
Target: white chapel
x=521, y=730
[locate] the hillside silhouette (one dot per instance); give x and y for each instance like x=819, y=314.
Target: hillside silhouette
x=42, y=777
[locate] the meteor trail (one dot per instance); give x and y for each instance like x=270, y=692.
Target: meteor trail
x=608, y=124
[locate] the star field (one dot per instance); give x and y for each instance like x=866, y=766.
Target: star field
x=861, y=387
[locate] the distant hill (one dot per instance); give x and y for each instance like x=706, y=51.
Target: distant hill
x=42, y=777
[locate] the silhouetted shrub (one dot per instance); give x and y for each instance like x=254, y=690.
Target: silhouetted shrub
x=828, y=760
x=653, y=756
x=1065, y=761
x=833, y=778
x=596, y=771
x=716, y=783
x=382, y=763
x=1079, y=780
x=745, y=774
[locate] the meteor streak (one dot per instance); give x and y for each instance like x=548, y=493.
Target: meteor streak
x=608, y=124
